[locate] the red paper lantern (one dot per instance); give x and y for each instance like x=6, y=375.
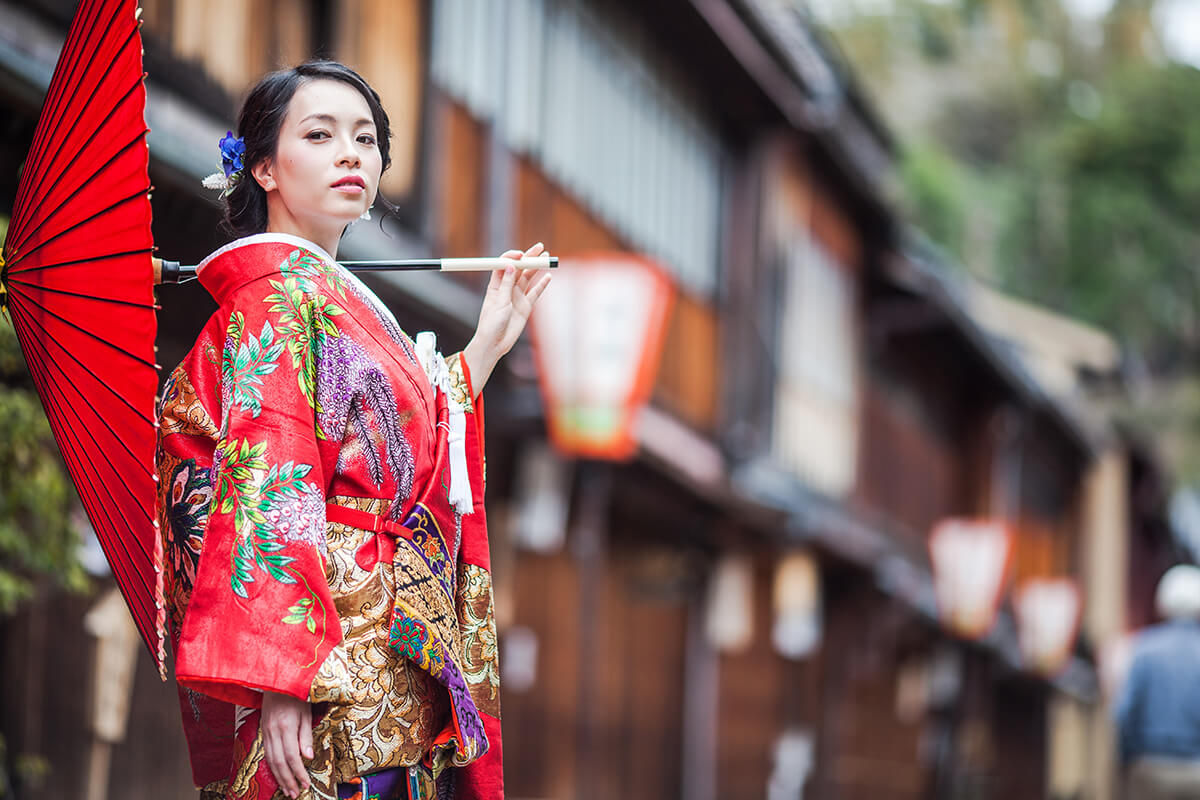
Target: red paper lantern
x=1048, y=612
x=970, y=559
x=598, y=335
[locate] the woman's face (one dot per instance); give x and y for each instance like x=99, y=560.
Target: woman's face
x=326, y=167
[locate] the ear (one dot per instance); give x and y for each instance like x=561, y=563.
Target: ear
x=264, y=174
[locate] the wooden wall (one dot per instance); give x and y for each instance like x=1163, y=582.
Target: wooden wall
x=688, y=376
x=893, y=439
x=46, y=660
x=461, y=194
x=867, y=751
x=923, y=405
x=234, y=41
x=691, y=366
x=617, y=733
x=761, y=694
x=384, y=41
x=1019, y=730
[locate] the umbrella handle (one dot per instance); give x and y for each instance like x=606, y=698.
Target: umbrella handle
x=171, y=272
x=167, y=271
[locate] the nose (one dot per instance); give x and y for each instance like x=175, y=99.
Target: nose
x=347, y=152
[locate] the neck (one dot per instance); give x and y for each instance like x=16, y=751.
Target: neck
x=279, y=221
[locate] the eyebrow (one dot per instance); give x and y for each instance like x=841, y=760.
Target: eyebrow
x=329, y=118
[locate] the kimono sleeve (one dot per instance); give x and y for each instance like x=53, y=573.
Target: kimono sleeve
x=482, y=779
x=463, y=390
x=261, y=616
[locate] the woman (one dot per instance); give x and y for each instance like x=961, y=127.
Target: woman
x=337, y=637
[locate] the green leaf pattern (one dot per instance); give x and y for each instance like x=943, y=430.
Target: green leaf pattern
x=247, y=362
x=306, y=316
x=302, y=614
x=272, y=504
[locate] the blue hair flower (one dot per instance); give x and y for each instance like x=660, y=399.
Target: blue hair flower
x=233, y=154
x=233, y=150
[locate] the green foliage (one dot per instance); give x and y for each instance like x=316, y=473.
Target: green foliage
x=37, y=537
x=1108, y=223
x=934, y=194
x=1058, y=167
x=1092, y=208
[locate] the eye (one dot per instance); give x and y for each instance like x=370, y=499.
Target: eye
x=367, y=138
x=317, y=135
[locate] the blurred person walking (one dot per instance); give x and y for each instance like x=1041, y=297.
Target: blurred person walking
x=1158, y=706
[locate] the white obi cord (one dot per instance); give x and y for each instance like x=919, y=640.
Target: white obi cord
x=439, y=379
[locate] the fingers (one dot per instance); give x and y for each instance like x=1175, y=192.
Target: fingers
x=494, y=281
x=306, y=734
x=287, y=732
x=526, y=278
x=508, y=280
x=536, y=250
x=531, y=278
x=295, y=761
x=539, y=287
x=277, y=759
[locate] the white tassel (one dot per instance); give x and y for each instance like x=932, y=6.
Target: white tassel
x=215, y=181
x=427, y=356
x=439, y=377
x=460, y=480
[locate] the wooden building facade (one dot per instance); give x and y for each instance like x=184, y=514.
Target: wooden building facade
x=823, y=400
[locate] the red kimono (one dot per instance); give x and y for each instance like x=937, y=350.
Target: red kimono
x=321, y=506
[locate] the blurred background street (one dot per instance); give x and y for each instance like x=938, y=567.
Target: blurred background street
x=850, y=444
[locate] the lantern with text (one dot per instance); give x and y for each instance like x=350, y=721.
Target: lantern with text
x=1048, y=612
x=970, y=565
x=598, y=335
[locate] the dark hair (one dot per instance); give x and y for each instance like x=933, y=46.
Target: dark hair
x=259, y=123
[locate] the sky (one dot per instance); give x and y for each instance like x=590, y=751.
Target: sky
x=1178, y=21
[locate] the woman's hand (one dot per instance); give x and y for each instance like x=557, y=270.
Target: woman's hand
x=506, y=308
x=287, y=736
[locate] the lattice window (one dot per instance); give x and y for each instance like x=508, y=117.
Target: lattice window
x=596, y=109
x=816, y=399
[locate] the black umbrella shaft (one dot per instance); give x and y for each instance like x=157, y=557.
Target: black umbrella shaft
x=174, y=272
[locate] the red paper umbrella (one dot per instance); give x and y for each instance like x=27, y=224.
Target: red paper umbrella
x=78, y=279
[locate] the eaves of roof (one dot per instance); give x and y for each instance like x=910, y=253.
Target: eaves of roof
x=919, y=268
x=829, y=526
x=794, y=65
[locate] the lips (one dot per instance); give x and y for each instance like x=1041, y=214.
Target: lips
x=350, y=182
